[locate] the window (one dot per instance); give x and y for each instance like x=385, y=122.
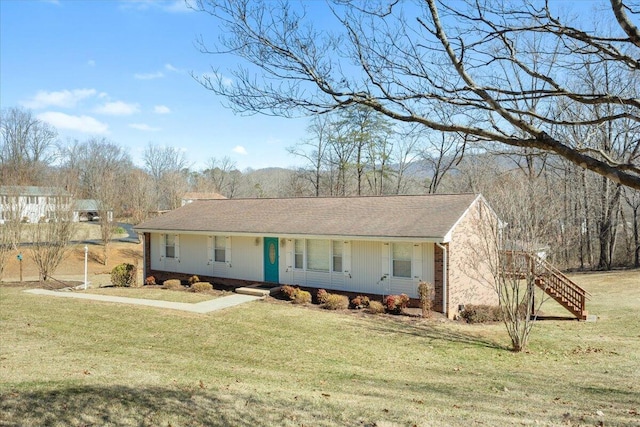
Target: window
x=32, y=200
x=337, y=256
x=299, y=254
x=318, y=255
x=220, y=249
x=170, y=245
x=402, y=259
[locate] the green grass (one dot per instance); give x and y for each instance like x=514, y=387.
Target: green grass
x=155, y=294
x=70, y=362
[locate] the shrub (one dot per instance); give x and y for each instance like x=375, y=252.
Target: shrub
x=359, y=302
x=481, y=313
x=289, y=292
x=375, y=307
x=172, y=284
x=193, y=279
x=201, y=286
x=302, y=297
x=123, y=275
x=396, y=303
x=150, y=281
x=426, y=292
x=321, y=296
x=119, y=230
x=336, y=302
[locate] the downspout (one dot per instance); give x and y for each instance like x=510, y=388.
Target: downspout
x=444, y=278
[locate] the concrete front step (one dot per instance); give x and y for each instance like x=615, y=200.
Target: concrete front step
x=258, y=292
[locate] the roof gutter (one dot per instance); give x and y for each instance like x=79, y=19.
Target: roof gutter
x=444, y=278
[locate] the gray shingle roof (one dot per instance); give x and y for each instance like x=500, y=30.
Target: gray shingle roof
x=427, y=216
x=17, y=190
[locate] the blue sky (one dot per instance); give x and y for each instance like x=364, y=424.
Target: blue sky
x=121, y=70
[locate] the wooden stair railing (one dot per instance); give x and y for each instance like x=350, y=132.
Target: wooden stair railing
x=551, y=280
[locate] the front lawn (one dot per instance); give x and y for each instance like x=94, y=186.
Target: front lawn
x=71, y=362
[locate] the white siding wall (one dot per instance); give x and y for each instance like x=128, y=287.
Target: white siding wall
x=367, y=259
x=428, y=265
x=156, y=255
x=369, y=262
x=366, y=268
x=246, y=261
x=193, y=255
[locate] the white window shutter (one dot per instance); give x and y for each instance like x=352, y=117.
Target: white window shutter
x=227, y=255
x=289, y=254
x=346, y=258
x=386, y=247
x=162, y=243
x=210, y=245
x=416, y=263
x=177, y=243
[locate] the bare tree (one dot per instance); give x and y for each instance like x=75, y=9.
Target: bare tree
x=139, y=198
x=25, y=147
x=632, y=197
x=440, y=153
x=50, y=239
x=510, y=244
x=219, y=173
x=99, y=167
x=413, y=63
x=313, y=150
x=167, y=167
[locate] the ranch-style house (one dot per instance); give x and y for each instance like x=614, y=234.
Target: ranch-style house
x=376, y=245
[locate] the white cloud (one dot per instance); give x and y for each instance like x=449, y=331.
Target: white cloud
x=91, y=63
x=117, y=108
x=161, y=109
x=85, y=124
x=171, y=6
x=171, y=68
x=177, y=6
x=63, y=98
x=239, y=149
x=149, y=76
x=144, y=127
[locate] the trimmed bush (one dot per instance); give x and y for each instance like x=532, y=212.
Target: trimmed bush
x=481, y=313
x=150, y=281
x=375, y=307
x=201, y=286
x=359, y=302
x=426, y=292
x=321, y=296
x=174, y=284
x=289, y=292
x=123, y=275
x=336, y=302
x=395, y=304
x=193, y=279
x=302, y=297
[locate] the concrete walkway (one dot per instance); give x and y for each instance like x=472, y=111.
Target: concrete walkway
x=201, y=307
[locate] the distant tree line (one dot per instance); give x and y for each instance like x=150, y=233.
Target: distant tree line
x=590, y=222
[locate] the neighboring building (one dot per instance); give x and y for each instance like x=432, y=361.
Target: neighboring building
x=192, y=197
x=88, y=210
x=375, y=245
x=33, y=204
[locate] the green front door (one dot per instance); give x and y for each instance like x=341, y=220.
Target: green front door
x=271, y=260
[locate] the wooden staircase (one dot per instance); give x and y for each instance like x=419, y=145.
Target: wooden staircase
x=551, y=280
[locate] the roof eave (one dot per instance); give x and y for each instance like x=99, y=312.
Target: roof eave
x=424, y=239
